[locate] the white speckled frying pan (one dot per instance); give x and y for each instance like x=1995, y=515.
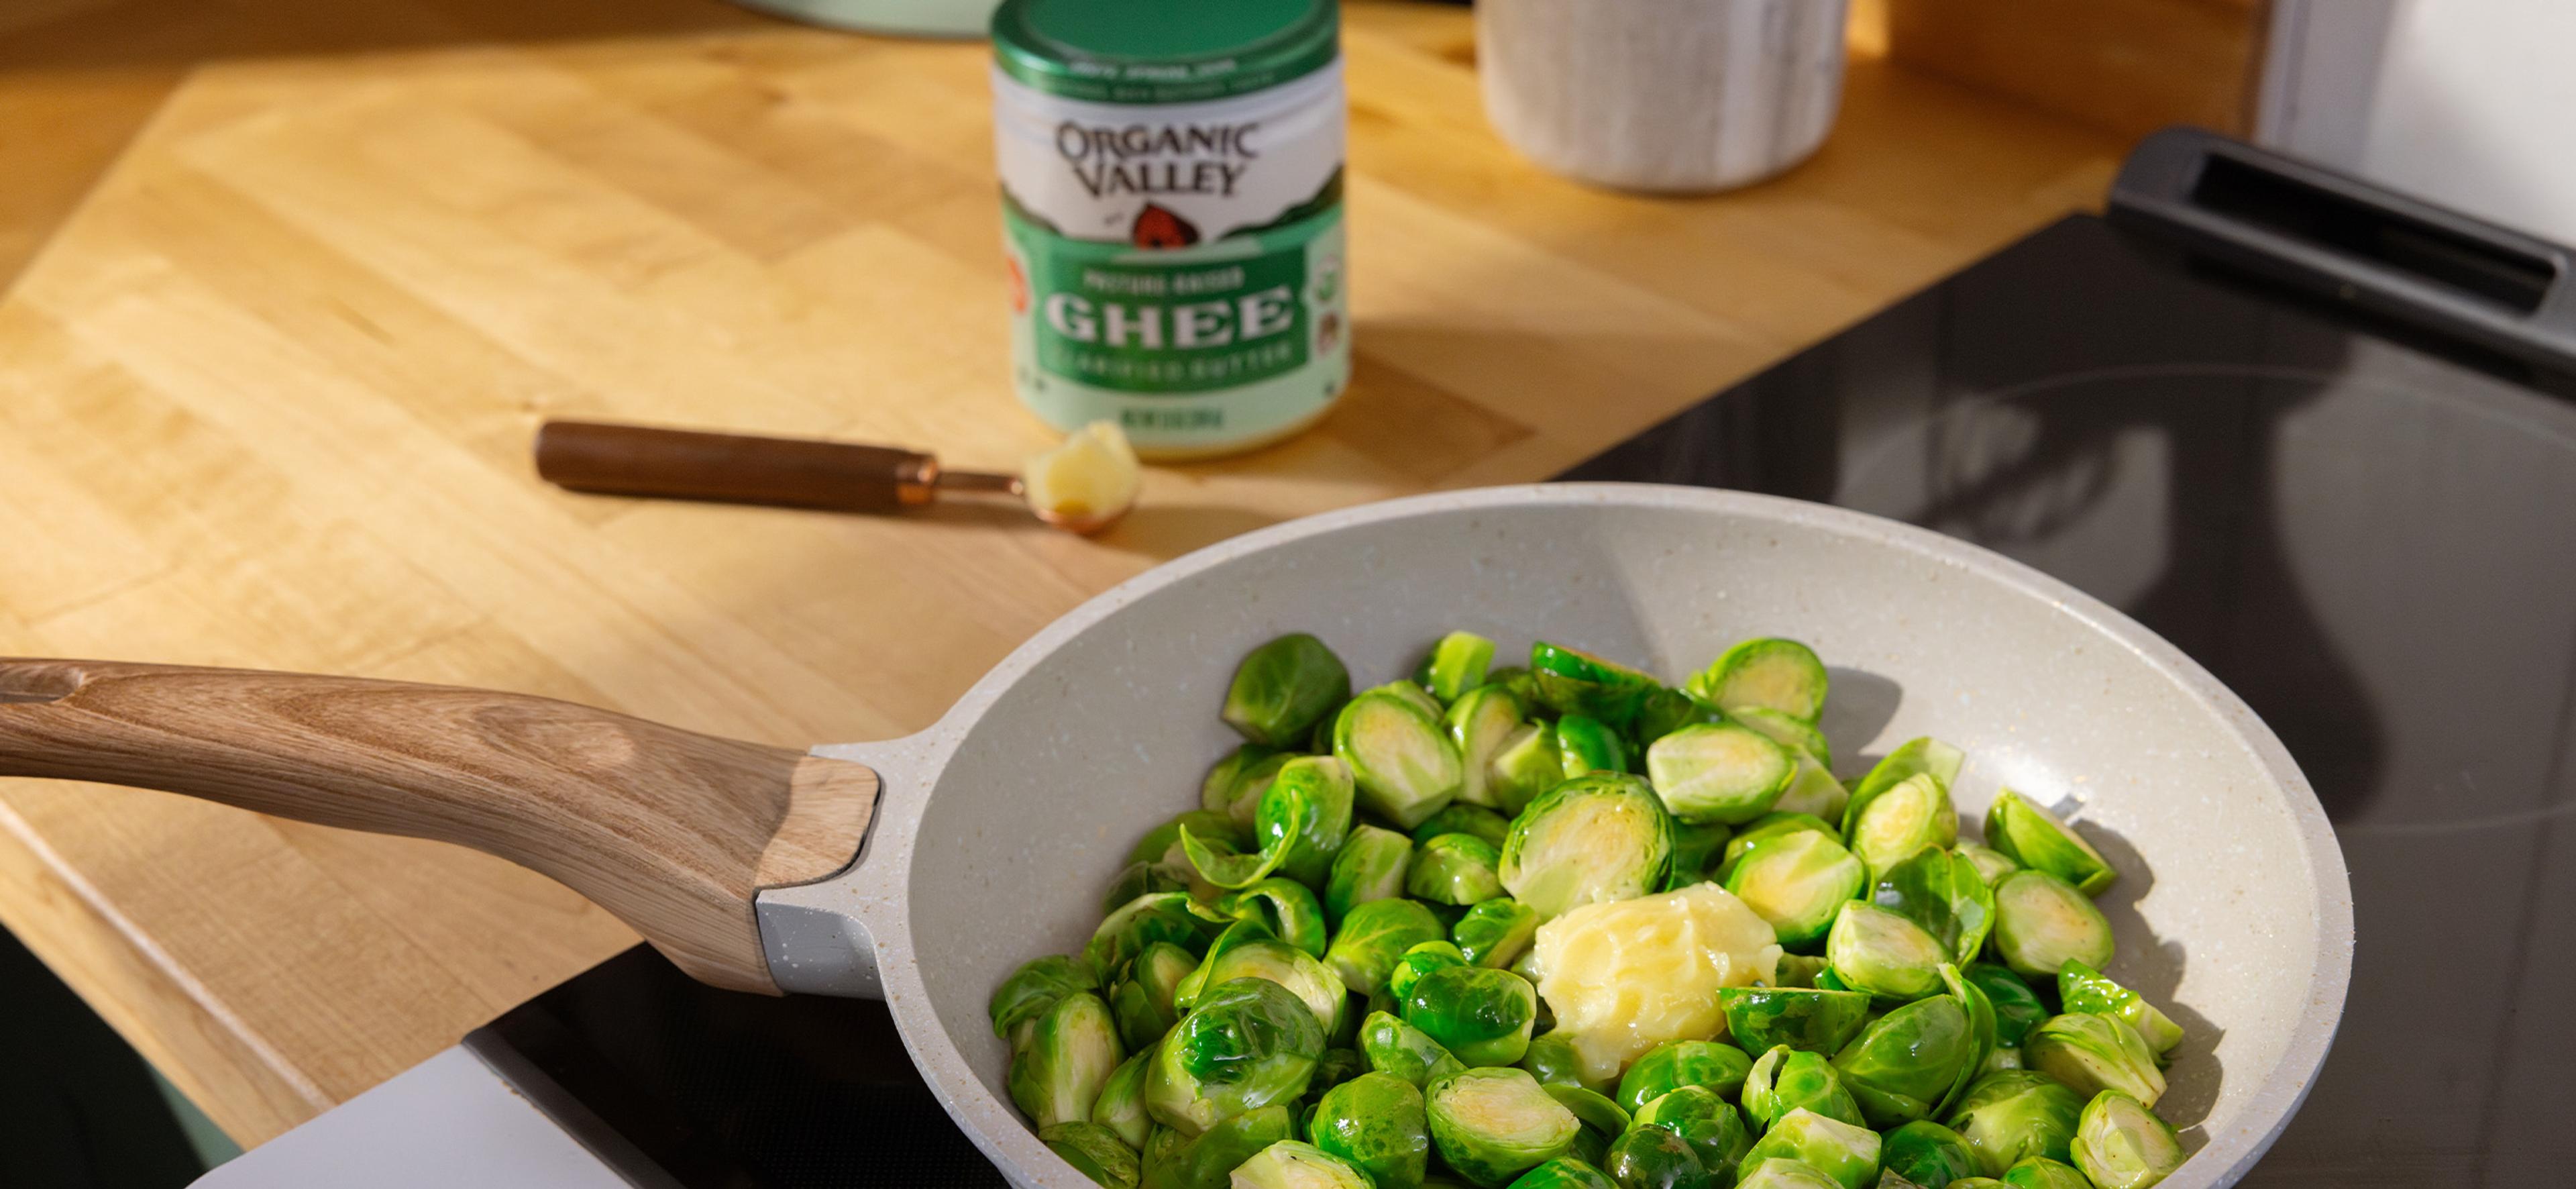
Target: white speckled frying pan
x=999, y=826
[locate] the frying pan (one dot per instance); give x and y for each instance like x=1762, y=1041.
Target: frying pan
x=994, y=832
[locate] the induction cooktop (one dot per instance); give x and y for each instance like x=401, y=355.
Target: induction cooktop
x=2319, y=436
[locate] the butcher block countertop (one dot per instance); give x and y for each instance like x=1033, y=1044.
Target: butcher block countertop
x=267, y=389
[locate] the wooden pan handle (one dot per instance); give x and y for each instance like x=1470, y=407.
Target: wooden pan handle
x=673, y=831
x=735, y=468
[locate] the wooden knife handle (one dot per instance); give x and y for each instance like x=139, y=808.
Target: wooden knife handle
x=735, y=468
x=673, y=831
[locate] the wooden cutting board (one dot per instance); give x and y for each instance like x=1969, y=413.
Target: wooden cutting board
x=266, y=400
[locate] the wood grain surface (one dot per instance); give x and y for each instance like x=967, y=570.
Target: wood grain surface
x=268, y=386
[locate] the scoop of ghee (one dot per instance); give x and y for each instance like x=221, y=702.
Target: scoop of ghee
x=1093, y=475
x=1628, y=975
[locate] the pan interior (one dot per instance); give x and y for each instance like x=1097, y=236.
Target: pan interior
x=2217, y=909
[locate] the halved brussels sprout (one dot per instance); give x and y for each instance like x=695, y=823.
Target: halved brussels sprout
x=1285, y=907
x=2080, y=988
x=1120, y=1106
x=2017, y=1007
x=1144, y=879
x=1654, y=1158
x=1874, y=950
x=1813, y=790
x=1708, y=1123
x=1991, y=863
x=1303, y=819
x=1780, y=1172
x=1677, y=1063
x=1565, y=1172
x=1480, y=724
x=1374, y=938
x=1787, y=730
x=1476, y=821
x=1574, y=682
x=1585, y=745
x=1401, y=1050
x=1978, y=1183
x=1906, y=817
x=2120, y=1144
x=1526, y=764
x=2040, y=1172
x=1796, y=1017
x=1292, y=1164
x=2042, y=923
x=1453, y=869
x=1491, y=1125
x=1665, y=711
x=1944, y=893
x=1905, y=1063
x=2035, y=838
x=1695, y=853
x=1800, y=881
x=1249, y=1043
x=1234, y=786
x=1602, y=1119
x=1927, y=1154
x=1281, y=963
x=1371, y=865
x=1846, y=1153
x=1719, y=772
x=1406, y=766
x=1999, y=1059
x=1144, y=1002
x=1766, y=827
x=1767, y=672
x=1376, y=1122
x=1095, y=1152
x=1034, y=987
x=1587, y=841
x=1420, y=960
x=1522, y=683
x=1495, y=932
x=1209, y=1160
x=1457, y=664
x=1483, y=1017
x=1185, y=995
x=2095, y=1053
x=2010, y=1116
x=1802, y=970
x=1915, y=757
x=1162, y=844
x=1787, y=1079
x=1411, y=692
x=1552, y=1060
x=1283, y=687
x=1070, y=1055
x=1163, y=916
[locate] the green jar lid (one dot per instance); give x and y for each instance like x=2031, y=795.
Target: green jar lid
x=1162, y=51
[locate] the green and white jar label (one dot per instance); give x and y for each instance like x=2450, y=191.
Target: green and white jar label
x=1177, y=268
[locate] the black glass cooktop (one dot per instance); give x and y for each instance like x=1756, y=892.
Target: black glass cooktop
x=2360, y=521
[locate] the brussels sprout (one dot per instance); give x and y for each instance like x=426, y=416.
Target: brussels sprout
x=1234, y=786
x=1718, y=772
x=1708, y=1123
x=2042, y=923
x=1552, y=1060
x=1787, y=730
x=1371, y=865
x=2000, y=1058
x=1795, y=1017
x=1406, y=766
x=1283, y=906
x=1977, y=1183
x=1677, y=1063
x=1800, y=881
x=1787, y=1079
x=1780, y=1172
x=1526, y=764
x=1453, y=869
x=1942, y=892
x=1573, y=682
x=1915, y=757
x=1399, y=1049
x=1801, y=970
x=2040, y=1172
x=1653, y=1158
x=1483, y=1017
x=1991, y=863
x=1161, y=845
x=1589, y=840
x=1476, y=821
x=1908, y=816
x=1602, y=1119
x=1665, y=711
x=1457, y=664
x=2095, y=1053
x=1070, y=1055
x=2010, y=1116
x=1095, y=1152
x=1335, y=1067
x=1585, y=745
x=1144, y=1002
x=1768, y=673
x=2036, y=839
x=1495, y=932
x=1927, y=1154
x=1120, y=1106
x=1422, y=959
x=1209, y=1160
x=1281, y=963
x=1846, y=1153
x=1491, y=1125
x=1412, y=693
x=1163, y=916
x=1293, y=1164
x=1522, y=683
x=2120, y=1144
x=2080, y=988
x=1303, y=819
x=1185, y=994
x=1766, y=827
x=1565, y=1172
x=1813, y=790
x=1282, y=687
x=1376, y=1122
x=1905, y=1063
x=1374, y=938
x=1877, y=951
x=1480, y=724
x=2017, y=1007
x=1249, y=1043
x=1695, y=853
x=1035, y=987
